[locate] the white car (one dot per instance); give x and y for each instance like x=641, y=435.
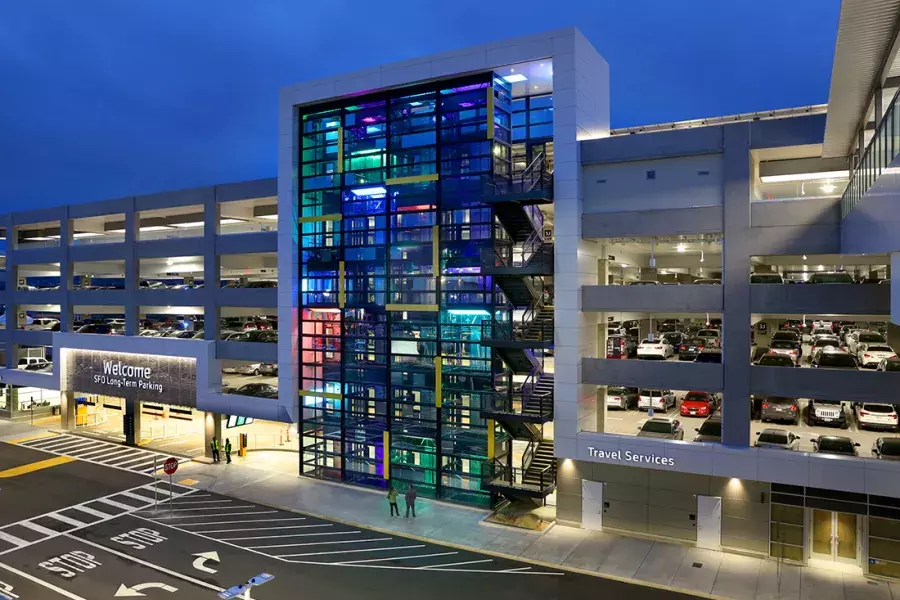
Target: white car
x=822, y=324
x=713, y=337
x=873, y=354
x=849, y=335
x=861, y=340
x=655, y=349
x=818, y=332
x=876, y=416
x=662, y=399
x=32, y=363
x=41, y=324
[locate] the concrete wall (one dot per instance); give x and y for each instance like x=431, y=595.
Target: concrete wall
x=654, y=502
x=647, y=298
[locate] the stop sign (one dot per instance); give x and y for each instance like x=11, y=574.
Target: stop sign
x=170, y=466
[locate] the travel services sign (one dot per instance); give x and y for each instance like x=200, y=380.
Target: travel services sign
x=141, y=377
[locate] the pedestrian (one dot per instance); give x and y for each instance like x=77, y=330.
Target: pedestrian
x=227, y=451
x=214, y=446
x=392, y=500
x=410, y=497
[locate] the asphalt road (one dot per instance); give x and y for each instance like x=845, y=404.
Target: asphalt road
x=100, y=534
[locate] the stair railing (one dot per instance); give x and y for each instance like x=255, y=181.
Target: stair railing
x=528, y=455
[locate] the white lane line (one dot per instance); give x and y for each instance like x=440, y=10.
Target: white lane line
x=117, y=504
x=519, y=570
x=289, y=535
x=371, y=560
x=175, y=510
x=91, y=511
x=253, y=512
x=252, y=521
x=146, y=563
x=202, y=502
x=326, y=543
x=35, y=527
x=12, y=539
x=456, y=564
x=352, y=551
x=65, y=519
x=41, y=582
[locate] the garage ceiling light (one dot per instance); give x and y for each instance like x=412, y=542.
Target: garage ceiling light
x=788, y=177
x=515, y=78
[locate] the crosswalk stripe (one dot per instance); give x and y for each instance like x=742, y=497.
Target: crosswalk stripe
x=138, y=460
x=91, y=511
x=35, y=527
x=93, y=453
x=65, y=519
x=45, y=441
x=116, y=504
x=69, y=445
x=136, y=496
x=12, y=539
x=109, y=457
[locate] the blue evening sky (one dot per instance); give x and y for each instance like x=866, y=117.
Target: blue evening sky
x=107, y=98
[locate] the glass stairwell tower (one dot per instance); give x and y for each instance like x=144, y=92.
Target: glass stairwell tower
x=398, y=207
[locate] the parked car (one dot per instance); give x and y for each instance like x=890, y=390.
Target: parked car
x=655, y=349
x=709, y=355
x=779, y=408
x=234, y=336
x=625, y=345
x=777, y=438
x=876, y=416
x=886, y=448
x=96, y=328
x=179, y=334
x=889, y=364
x=873, y=354
x=247, y=369
x=690, y=348
x=33, y=363
x=266, y=337
x=151, y=285
x=832, y=359
x=713, y=337
x=675, y=338
x=151, y=333
x=644, y=283
x=661, y=428
x=622, y=398
x=786, y=348
x=260, y=284
x=260, y=390
x=699, y=404
x=827, y=412
x=662, y=399
x=858, y=342
x=789, y=335
x=766, y=278
x=710, y=430
x=818, y=332
x=708, y=282
x=238, y=323
x=41, y=324
x=270, y=369
x=835, y=444
x=822, y=343
x=774, y=359
x=830, y=277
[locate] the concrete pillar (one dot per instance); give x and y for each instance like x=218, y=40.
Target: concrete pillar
x=133, y=413
x=67, y=410
x=65, y=275
x=132, y=272
x=602, y=335
x=895, y=289
x=211, y=268
x=736, y=286
x=212, y=427
x=879, y=111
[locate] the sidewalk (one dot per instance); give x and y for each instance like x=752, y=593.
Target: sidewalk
x=654, y=563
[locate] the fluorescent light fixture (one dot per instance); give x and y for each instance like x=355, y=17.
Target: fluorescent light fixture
x=85, y=234
x=469, y=312
x=680, y=248
x=153, y=228
x=40, y=238
x=268, y=217
x=828, y=188
x=378, y=191
x=325, y=310
x=515, y=78
x=185, y=225
x=624, y=265
x=804, y=176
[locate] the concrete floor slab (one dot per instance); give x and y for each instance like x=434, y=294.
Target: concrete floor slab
x=661, y=564
x=698, y=578
x=736, y=577
x=626, y=556
x=593, y=551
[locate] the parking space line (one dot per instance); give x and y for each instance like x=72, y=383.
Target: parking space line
x=65, y=519
x=252, y=521
x=41, y=582
x=255, y=512
x=456, y=564
x=179, y=510
x=329, y=542
x=289, y=535
x=151, y=565
x=371, y=560
x=352, y=551
x=202, y=502
x=519, y=570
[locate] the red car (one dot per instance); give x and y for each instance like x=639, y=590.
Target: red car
x=699, y=404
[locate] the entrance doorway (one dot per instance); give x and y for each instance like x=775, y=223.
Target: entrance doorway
x=835, y=536
x=592, y=505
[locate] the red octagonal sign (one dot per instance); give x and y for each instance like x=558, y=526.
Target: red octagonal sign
x=170, y=466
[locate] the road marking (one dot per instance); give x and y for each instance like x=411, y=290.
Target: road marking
x=35, y=466
x=136, y=590
x=109, y=457
x=203, y=502
x=32, y=438
x=200, y=562
x=91, y=511
x=91, y=453
x=140, y=561
x=256, y=512
x=41, y=582
x=131, y=459
x=519, y=570
x=456, y=564
x=253, y=521
x=130, y=494
x=65, y=519
x=46, y=441
x=354, y=541
x=188, y=482
x=371, y=560
x=35, y=527
x=12, y=539
x=117, y=504
x=210, y=508
x=72, y=445
x=352, y=551
x=288, y=535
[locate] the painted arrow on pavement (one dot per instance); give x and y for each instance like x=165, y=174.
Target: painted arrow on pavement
x=135, y=590
x=200, y=561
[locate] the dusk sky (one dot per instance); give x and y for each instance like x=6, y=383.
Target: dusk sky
x=108, y=98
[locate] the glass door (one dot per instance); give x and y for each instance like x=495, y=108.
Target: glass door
x=834, y=536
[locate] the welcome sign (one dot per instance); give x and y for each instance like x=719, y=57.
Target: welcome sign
x=141, y=377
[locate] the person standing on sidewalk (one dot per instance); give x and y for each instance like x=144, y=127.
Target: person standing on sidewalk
x=214, y=446
x=410, y=498
x=227, y=451
x=392, y=500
